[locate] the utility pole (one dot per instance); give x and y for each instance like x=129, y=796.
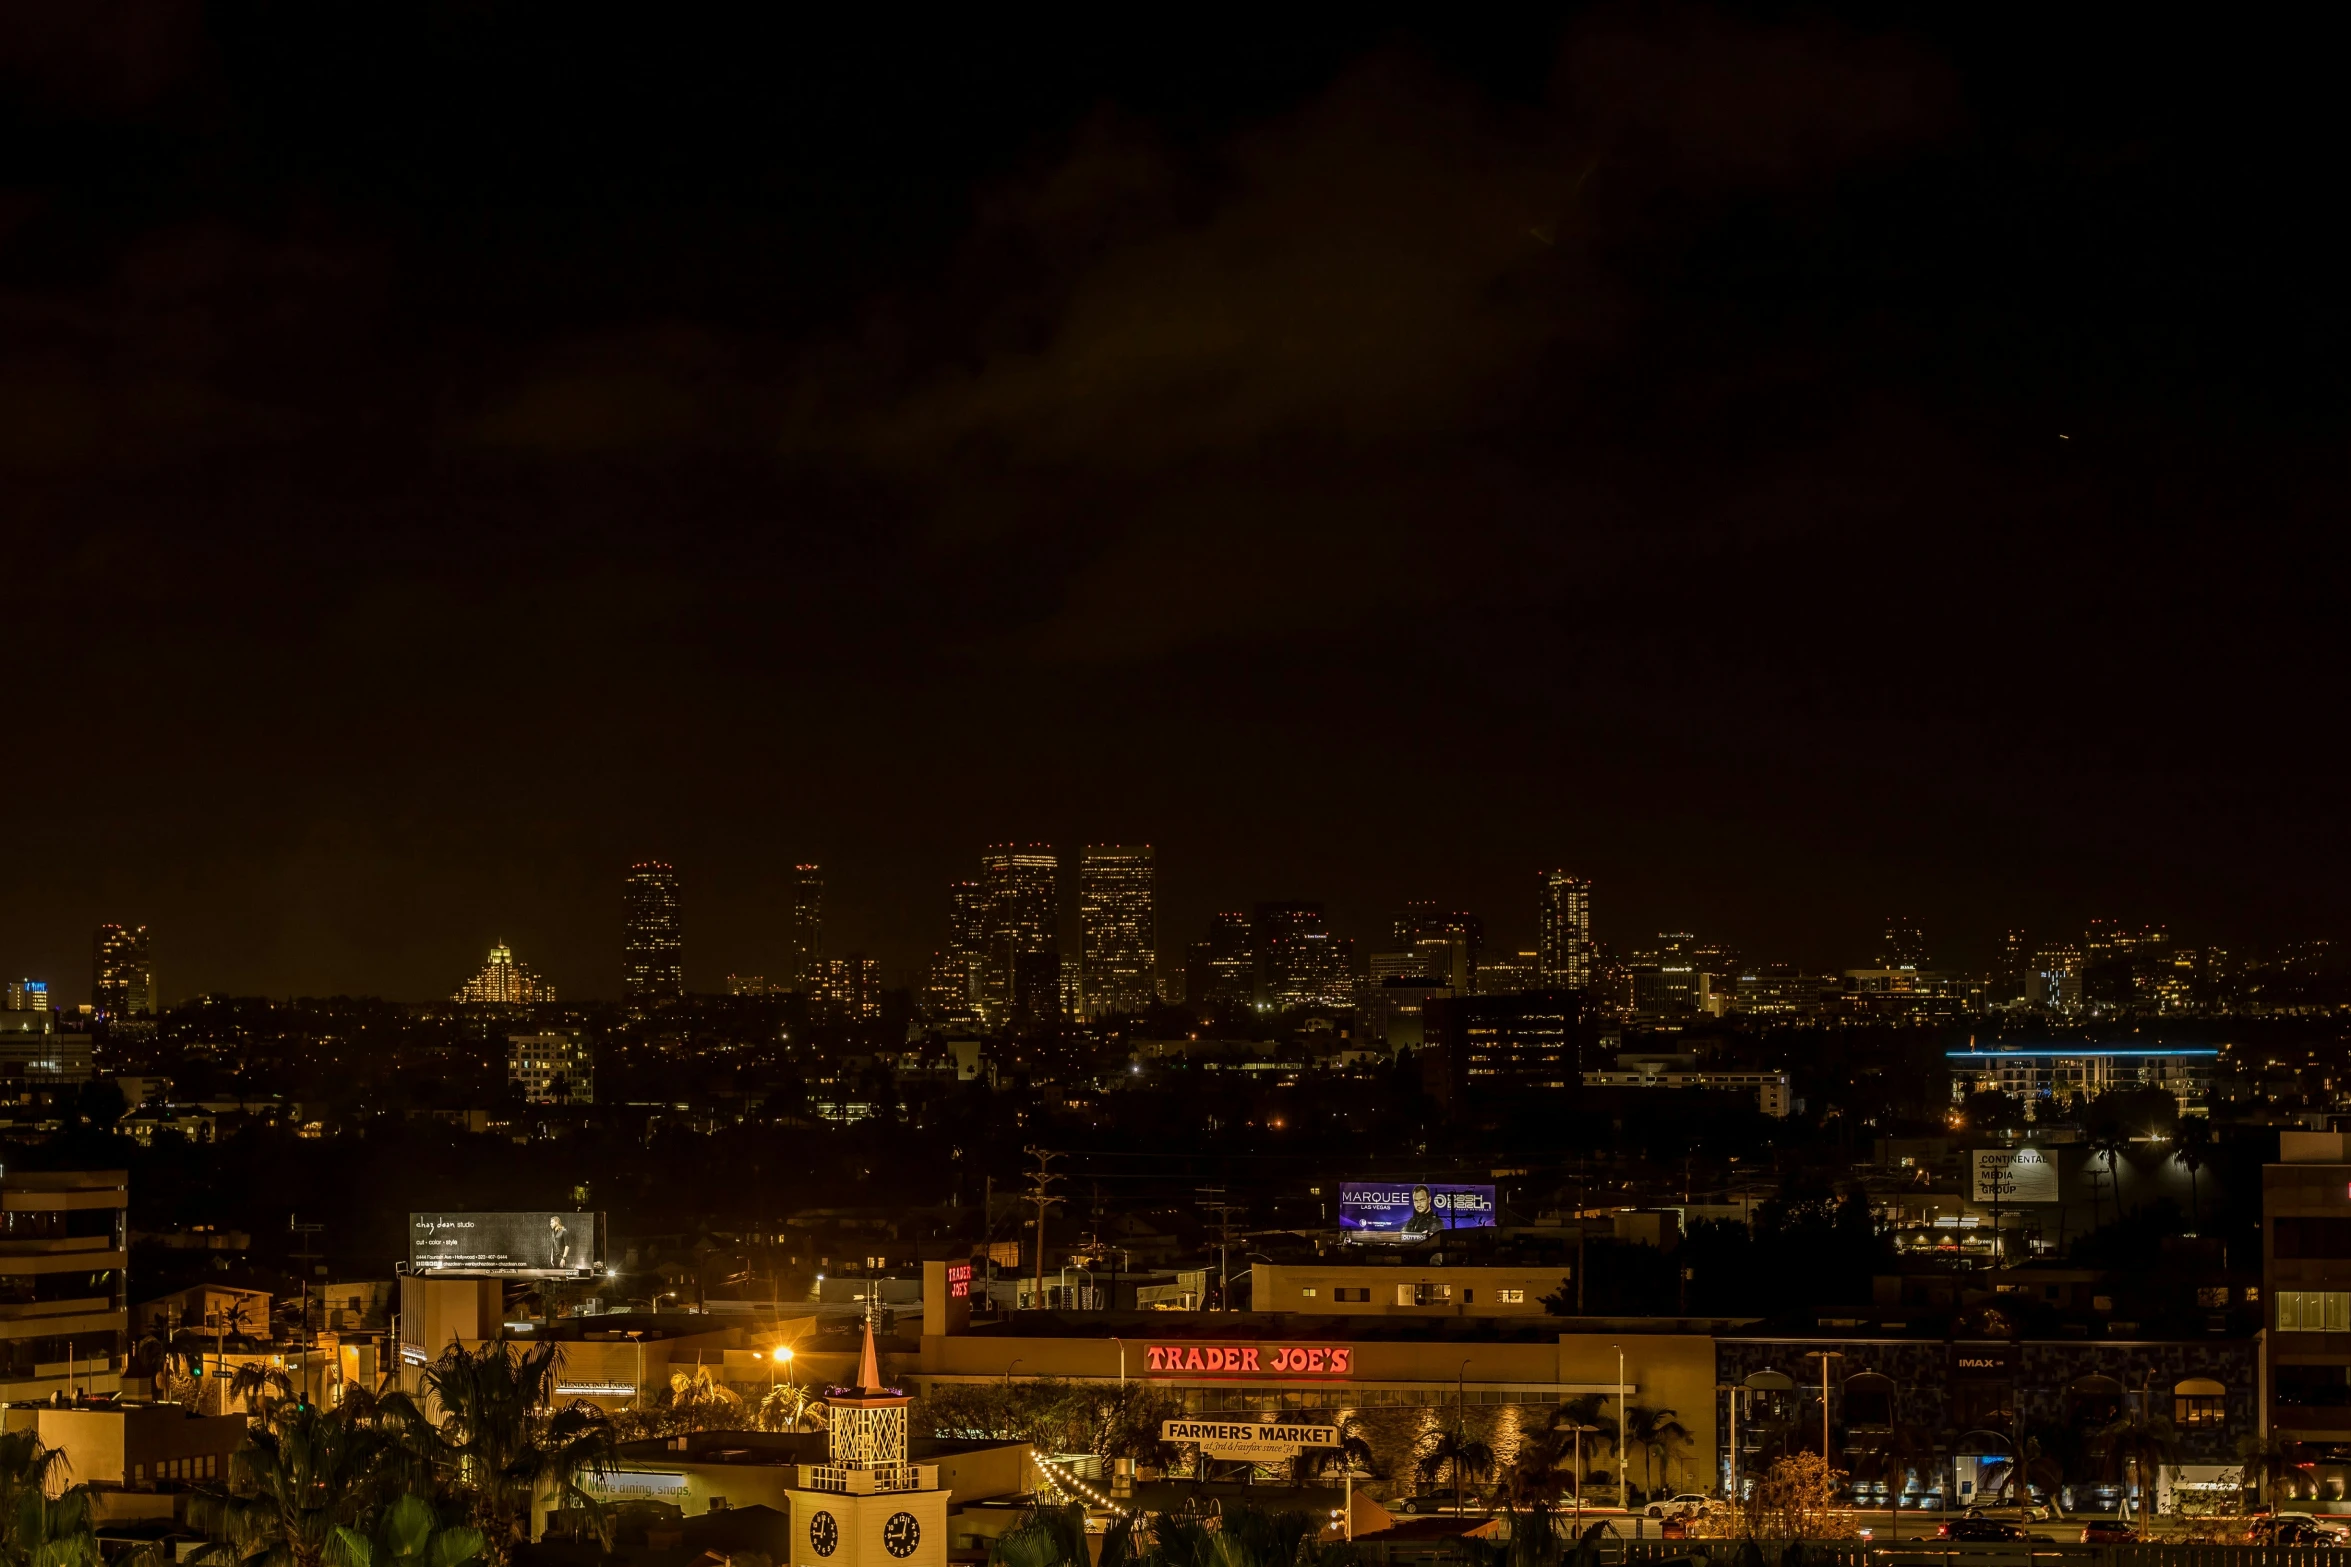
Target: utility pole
x=1040, y=1192
x=1212, y=1201
x=309, y=1259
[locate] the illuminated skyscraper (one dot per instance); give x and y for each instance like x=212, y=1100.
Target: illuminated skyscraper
x=1564, y=932
x=653, y=943
x=1446, y=941
x=503, y=981
x=122, y=976
x=1299, y=962
x=807, y=932
x=1220, y=973
x=1904, y=946
x=1020, y=966
x=1118, y=929
x=28, y=995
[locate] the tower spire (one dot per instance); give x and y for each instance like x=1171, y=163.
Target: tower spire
x=869, y=1373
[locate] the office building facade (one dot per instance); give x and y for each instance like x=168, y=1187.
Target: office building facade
x=1118, y=928
x=1487, y=1049
x=1220, y=970
x=1299, y=962
x=1564, y=932
x=653, y=942
x=554, y=1067
x=28, y=995
x=122, y=973
x=805, y=934
x=64, y=1319
x=1020, y=963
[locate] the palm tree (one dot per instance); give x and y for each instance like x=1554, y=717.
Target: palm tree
x=1047, y=1537
x=36, y=1528
x=1594, y=1413
x=1656, y=1433
x=2144, y=1443
x=408, y=1533
x=294, y=1484
x=1463, y=1457
x=1353, y=1453
x=2194, y=1139
x=510, y=1443
x=2267, y=1460
x=2109, y=1141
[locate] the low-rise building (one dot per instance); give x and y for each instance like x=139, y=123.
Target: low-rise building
x=63, y=1318
x=1409, y=1289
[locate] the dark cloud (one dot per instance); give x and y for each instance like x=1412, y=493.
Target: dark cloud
x=444, y=462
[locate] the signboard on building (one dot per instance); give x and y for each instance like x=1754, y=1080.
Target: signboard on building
x=1400, y=1212
x=1224, y=1360
x=2015, y=1175
x=1248, y=1439
x=959, y=1281
x=507, y=1245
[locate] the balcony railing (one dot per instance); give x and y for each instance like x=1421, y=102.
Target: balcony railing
x=880, y=1480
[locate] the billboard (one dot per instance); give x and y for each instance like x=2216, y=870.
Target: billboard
x=2014, y=1175
x=1398, y=1212
x=512, y=1245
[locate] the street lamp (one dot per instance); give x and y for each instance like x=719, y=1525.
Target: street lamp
x=1460, y=1385
x=781, y=1357
x=1624, y=1479
x=1008, y=1371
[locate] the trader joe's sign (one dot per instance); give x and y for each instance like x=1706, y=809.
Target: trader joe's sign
x=1224, y=1360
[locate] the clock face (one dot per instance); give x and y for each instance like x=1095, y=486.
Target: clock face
x=823, y=1534
x=901, y=1534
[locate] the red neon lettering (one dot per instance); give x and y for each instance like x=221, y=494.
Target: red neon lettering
x=1192, y=1361
x=1341, y=1361
x=1314, y=1360
x=1249, y=1358
x=1215, y=1359
x=1158, y=1358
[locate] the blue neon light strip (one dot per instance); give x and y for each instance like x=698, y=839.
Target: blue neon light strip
x=1993, y=1055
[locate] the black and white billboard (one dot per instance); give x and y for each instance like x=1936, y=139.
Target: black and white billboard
x=507, y=1245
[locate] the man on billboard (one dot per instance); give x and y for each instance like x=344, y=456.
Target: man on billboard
x=1424, y=1221
x=559, y=1242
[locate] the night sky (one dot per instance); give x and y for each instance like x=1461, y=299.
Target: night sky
x=1790, y=469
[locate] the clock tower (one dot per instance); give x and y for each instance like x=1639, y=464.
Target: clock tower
x=866, y=1506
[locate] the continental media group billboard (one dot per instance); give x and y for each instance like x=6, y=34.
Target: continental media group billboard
x=1400, y=1212
x=528, y=1245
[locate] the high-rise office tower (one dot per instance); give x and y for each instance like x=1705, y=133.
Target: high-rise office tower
x=503, y=981
x=653, y=942
x=28, y=995
x=807, y=931
x=1447, y=940
x=1563, y=920
x=1904, y=946
x=1299, y=962
x=967, y=946
x=122, y=976
x=2009, y=969
x=1220, y=971
x=1020, y=966
x=1118, y=929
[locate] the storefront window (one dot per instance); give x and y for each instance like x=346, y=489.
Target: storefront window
x=2199, y=1401
x=2314, y=1311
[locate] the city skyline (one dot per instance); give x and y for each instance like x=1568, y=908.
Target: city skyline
x=1731, y=494
x=1096, y=909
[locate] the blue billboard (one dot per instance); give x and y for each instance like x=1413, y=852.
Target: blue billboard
x=1400, y=1212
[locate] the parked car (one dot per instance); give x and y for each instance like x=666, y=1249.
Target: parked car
x=2108, y=1531
x=1987, y=1529
x=1687, y=1505
x=1427, y=1504
x=2291, y=1529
